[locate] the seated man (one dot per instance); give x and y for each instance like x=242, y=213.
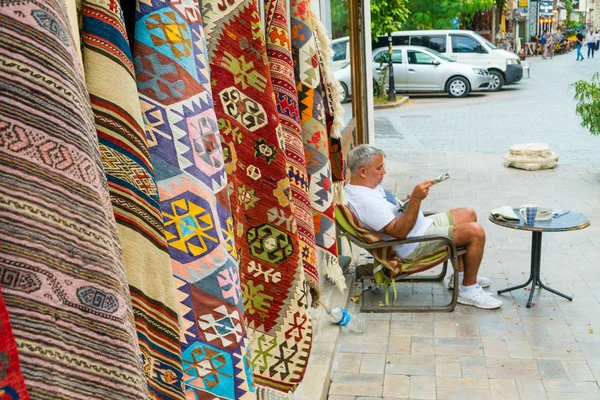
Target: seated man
x=367, y=199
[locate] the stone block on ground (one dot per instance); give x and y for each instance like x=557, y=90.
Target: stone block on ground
x=531, y=157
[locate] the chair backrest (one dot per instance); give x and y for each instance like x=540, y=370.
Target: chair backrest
x=386, y=255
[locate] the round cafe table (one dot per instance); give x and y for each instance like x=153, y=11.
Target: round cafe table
x=567, y=222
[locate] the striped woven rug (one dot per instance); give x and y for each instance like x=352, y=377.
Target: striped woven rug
x=276, y=296
x=64, y=282
x=185, y=145
x=282, y=76
x=134, y=195
x=312, y=103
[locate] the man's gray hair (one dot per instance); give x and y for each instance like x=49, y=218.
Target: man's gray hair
x=362, y=156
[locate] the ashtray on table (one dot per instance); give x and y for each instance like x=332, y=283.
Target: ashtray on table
x=543, y=214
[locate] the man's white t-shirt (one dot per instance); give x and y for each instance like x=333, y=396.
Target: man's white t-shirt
x=375, y=212
x=591, y=38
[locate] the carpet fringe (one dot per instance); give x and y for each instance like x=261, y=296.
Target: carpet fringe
x=338, y=193
x=330, y=83
x=331, y=268
x=264, y=393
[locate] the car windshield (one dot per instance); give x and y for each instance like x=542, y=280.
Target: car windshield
x=443, y=57
x=484, y=40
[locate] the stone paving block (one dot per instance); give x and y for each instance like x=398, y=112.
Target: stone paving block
x=340, y=397
x=531, y=389
x=519, y=349
x=554, y=386
x=444, y=328
x=578, y=396
x=376, y=328
x=410, y=365
x=372, y=364
x=465, y=383
x=422, y=346
x=504, y=389
x=422, y=387
x=463, y=394
x=551, y=369
x=364, y=344
x=578, y=371
x=411, y=328
x=396, y=386
x=348, y=362
x=357, y=378
x=474, y=367
x=494, y=347
x=399, y=345
x=350, y=389
x=448, y=366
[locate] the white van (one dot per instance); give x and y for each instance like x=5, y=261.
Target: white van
x=465, y=47
x=341, y=53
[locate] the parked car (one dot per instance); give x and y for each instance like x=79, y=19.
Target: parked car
x=461, y=45
x=465, y=47
x=418, y=69
x=341, y=53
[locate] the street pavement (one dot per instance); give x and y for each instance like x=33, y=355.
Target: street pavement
x=551, y=351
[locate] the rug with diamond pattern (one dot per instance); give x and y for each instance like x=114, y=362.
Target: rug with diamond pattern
x=184, y=140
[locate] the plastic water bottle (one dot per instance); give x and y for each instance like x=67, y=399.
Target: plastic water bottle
x=343, y=318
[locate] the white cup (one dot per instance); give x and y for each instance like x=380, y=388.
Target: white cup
x=528, y=213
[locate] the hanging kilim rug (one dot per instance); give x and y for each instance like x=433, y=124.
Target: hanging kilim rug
x=281, y=67
x=185, y=145
x=333, y=107
x=276, y=296
x=134, y=195
x=64, y=282
x=12, y=385
x=316, y=140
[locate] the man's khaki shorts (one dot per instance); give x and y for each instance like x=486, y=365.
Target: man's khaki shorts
x=442, y=225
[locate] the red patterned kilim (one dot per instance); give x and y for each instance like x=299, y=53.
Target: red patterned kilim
x=282, y=75
x=12, y=385
x=275, y=294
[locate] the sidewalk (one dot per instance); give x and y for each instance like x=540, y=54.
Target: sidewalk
x=551, y=351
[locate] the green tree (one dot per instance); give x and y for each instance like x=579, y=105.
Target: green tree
x=569, y=11
x=339, y=18
x=439, y=14
x=587, y=96
x=387, y=16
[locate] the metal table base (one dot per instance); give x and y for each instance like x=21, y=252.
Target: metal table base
x=534, y=276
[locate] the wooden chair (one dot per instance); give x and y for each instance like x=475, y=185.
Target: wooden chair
x=387, y=268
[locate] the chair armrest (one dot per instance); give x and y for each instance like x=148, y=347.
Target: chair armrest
x=396, y=242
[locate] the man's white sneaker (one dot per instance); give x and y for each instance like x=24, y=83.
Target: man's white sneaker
x=477, y=297
x=481, y=281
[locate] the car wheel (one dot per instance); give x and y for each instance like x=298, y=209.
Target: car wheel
x=458, y=87
x=496, y=81
x=343, y=92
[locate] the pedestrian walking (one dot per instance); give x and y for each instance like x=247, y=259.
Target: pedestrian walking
x=549, y=47
x=591, y=42
x=579, y=43
x=597, y=39
x=543, y=39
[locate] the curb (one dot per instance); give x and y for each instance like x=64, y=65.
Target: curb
x=399, y=103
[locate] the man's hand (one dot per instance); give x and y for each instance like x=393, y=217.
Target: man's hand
x=421, y=191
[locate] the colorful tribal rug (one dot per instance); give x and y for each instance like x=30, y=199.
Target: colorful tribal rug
x=315, y=136
x=282, y=76
x=181, y=129
x=63, y=278
x=276, y=296
x=134, y=195
x=12, y=385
